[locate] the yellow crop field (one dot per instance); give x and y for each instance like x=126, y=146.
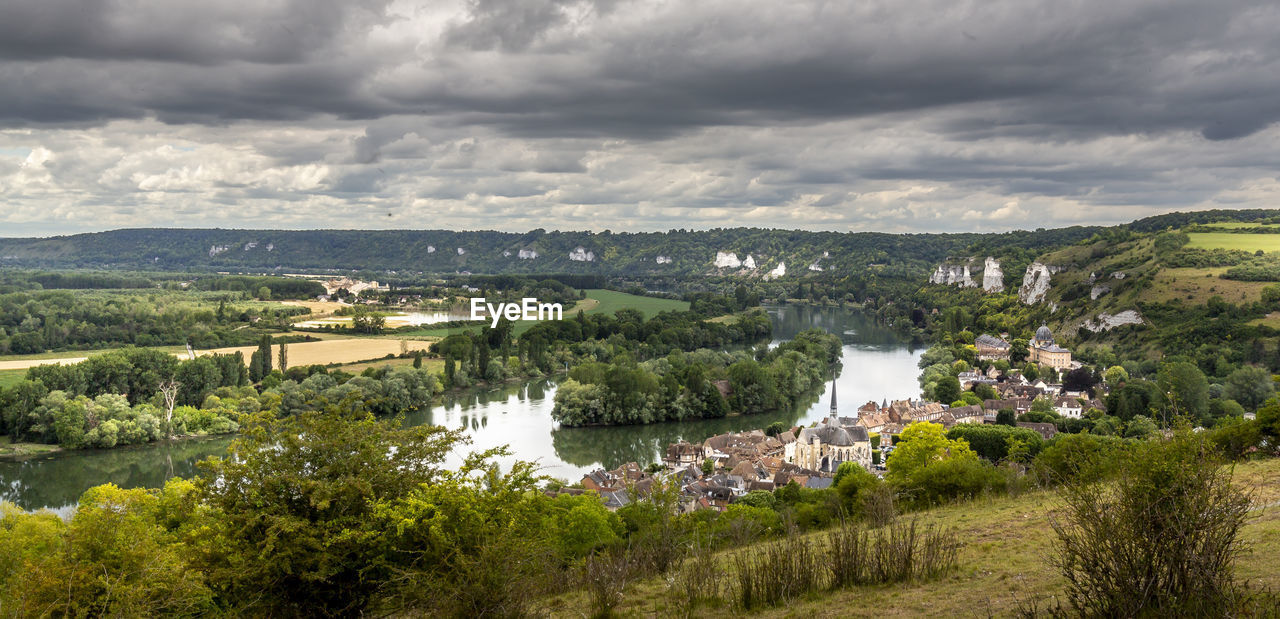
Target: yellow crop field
x=325, y=352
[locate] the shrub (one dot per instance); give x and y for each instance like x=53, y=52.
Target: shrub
x=1085, y=457
x=992, y=441
x=1160, y=541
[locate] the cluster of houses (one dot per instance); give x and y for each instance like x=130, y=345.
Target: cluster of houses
x=809, y=456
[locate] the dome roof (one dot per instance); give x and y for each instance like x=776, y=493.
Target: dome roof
x=1044, y=334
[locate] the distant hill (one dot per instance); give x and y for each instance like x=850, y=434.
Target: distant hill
x=745, y=251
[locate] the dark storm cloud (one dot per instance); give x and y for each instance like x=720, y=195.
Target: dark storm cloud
x=882, y=113
x=565, y=67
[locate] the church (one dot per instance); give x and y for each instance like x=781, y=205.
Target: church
x=830, y=443
x=1043, y=351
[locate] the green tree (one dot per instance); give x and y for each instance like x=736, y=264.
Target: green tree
x=1187, y=388
x=1250, y=386
x=1115, y=375
x=324, y=510
x=947, y=389
x=923, y=443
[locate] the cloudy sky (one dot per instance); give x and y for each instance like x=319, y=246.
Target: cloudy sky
x=892, y=115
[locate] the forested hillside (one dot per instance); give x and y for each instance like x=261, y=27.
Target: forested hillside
x=676, y=252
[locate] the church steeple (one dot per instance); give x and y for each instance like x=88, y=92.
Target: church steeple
x=833, y=399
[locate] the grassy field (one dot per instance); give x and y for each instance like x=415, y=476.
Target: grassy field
x=1228, y=240
x=1271, y=320
x=1004, y=558
x=1196, y=285
x=1236, y=225
x=609, y=301
x=433, y=365
x=8, y=378
x=598, y=301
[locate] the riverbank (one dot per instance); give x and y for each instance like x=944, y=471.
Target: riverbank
x=10, y=450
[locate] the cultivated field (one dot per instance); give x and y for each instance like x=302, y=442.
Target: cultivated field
x=324, y=352
x=1228, y=240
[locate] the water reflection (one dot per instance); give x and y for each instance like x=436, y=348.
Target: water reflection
x=876, y=365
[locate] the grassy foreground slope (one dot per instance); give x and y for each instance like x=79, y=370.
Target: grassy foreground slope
x=1004, y=559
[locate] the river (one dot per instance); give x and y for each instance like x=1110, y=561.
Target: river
x=876, y=365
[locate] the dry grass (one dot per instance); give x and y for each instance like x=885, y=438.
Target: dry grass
x=323, y=352
x=318, y=308
x=1195, y=285
x=1006, y=543
x=326, y=352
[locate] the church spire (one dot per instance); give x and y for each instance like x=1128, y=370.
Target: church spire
x=833, y=397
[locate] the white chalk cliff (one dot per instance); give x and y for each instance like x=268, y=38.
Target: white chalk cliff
x=580, y=254
x=527, y=254
x=953, y=275
x=992, y=276
x=663, y=260
x=1107, y=322
x=727, y=260
x=749, y=263
x=1035, y=283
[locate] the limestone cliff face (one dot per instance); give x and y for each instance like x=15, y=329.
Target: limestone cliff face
x=777, y=271
x=527, y=254
x=963, y=274
x=953, y=275
x=727, y=260
x=1107, y=322
x=580, y=254
x=663, y=260
x=749, y=263
x=992, y=276
x=1035, y=283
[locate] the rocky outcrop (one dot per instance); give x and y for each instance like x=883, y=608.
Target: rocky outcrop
x=250, y=245
x=580, y=254
x=218, y=249
x=1118, y=275
x=1035, y=283
x=461, y=251
x=663, y=260
x=777, y=271
x=727, y=260
x=271, y=246
x=1107, y=322
x=506, y=253
x=953, y=275
x=527, y=254
x=749, y=263
x=431, y=249
x=815, y=266
x=992, y=276
x=1098, y=291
